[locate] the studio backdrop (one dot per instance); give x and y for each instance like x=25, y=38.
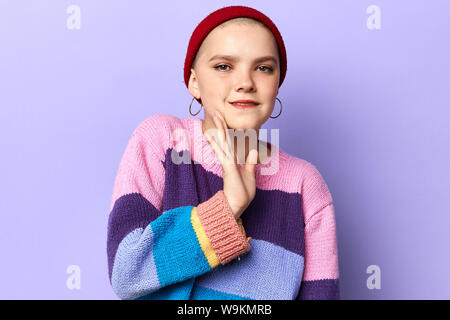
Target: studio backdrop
x=366, y=99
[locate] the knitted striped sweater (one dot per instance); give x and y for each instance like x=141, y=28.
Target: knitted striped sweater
x=171, y=233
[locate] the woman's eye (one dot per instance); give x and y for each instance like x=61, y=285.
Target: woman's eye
x=269, y=69
x=220, y=67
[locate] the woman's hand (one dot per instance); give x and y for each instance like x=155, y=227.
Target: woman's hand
x=239, y=184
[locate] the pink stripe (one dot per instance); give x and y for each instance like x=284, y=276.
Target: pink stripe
x=140, y=169
x=314, y=190
x=286, y=178
x=321, y=256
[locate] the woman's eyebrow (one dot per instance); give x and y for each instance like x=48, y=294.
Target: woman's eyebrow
x=233, y=58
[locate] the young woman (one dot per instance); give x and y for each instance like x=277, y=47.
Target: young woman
x=224, y=224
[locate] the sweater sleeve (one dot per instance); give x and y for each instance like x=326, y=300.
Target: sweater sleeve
x=321, y=272
x=148, y=249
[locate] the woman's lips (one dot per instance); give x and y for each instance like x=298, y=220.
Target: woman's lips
x=243, y=105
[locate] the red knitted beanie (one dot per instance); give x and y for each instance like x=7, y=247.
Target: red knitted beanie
x=221, y=15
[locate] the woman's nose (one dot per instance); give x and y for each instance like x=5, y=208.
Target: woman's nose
x=245, y=81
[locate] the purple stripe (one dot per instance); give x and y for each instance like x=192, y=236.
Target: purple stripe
x=273, y=215
x=327, y=289
x=276, y=216
x=184, y=186
x=130, y=212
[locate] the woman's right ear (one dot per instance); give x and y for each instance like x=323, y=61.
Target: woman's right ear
x=193, y=85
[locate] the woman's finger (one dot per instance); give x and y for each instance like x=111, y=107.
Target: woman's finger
x=217, y=149
x=217, y=137
x=228, y=139
x=223, y=140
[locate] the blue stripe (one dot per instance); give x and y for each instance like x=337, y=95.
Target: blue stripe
x=177, y=291
x=202, y=293
x=134, y=271
x=267, y=271
x=176, y=249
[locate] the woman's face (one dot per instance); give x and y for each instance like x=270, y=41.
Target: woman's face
x=219, y=80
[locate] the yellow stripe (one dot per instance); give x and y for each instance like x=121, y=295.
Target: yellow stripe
x=203, y=239
x=241, y=226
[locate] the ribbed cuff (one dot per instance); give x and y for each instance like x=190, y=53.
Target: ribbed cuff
x=222, y=229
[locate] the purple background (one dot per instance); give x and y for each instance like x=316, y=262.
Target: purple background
x=370, y=108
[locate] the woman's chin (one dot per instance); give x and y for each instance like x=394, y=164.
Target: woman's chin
x=243, y=124
x=243, y=127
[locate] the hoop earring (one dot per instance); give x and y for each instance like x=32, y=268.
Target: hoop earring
x=281, y=109
x=191, y=111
